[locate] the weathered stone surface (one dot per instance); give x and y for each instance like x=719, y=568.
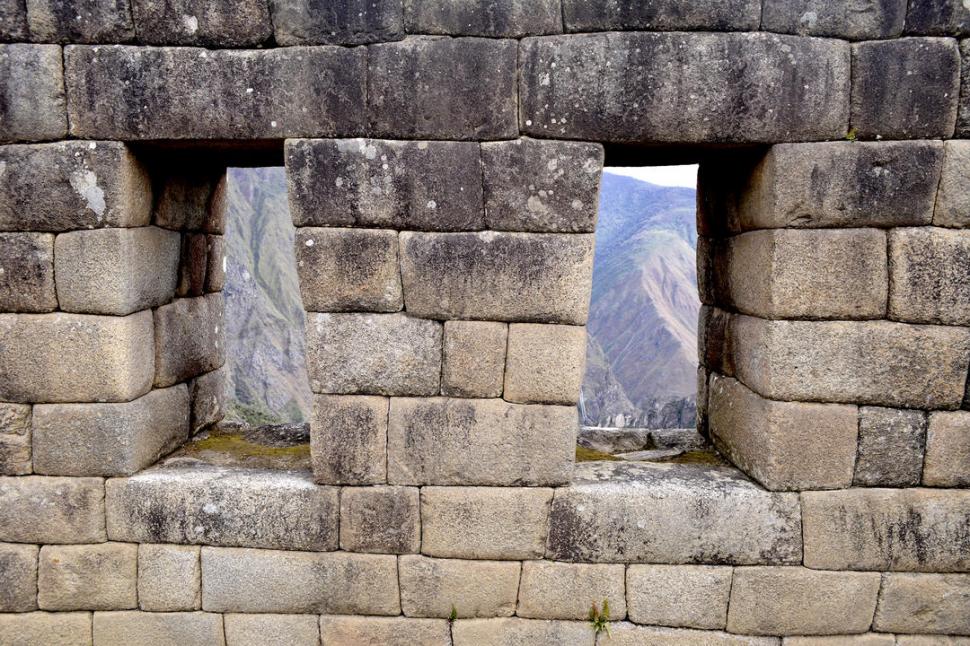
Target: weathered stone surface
x=924, y=603
x=870, y=362
x=215, y=271
x=948, y=450
x=433, y=587
x=535, y=632
x=545, y=363
x=502, y=19
x=662, y=15
x=15, y=440
x=348, y=439
x=61, y=510
x=384, y=631
x=919, y=530
x=938, y=18
x=272, y=630
x=80, y=21
x=45, y=628
x=891, y=446
x=296, y=92
x=963, y=115
x=87, y=577
x=158, y=628
x=209, y=398
x=189, y=338
x=868, y=639
x=931, y=640
x=448, y=441
x=625, y=634
x=869, y=21
x=385, y=520
x=241, y=580
x=442, y=88
x=13, y=21
x=637, y=87
x=905, y=89
x=18, y=570
x=484, y=522
x=189, y=196
x=425, y=185
x=209, y=23
x=348, y=270
x=953, y=200
x=193, y=265
x=783, y=445
x=33, y=105
x=27, y=272
x=379, y=354
x=930, y=275
x=688, y=596
x=113, y=357
x=319, y=22
x=567, y=591
x=684, y=514
x=222, y=506
x=544, y=278
x=473, y=358
x=169, y=578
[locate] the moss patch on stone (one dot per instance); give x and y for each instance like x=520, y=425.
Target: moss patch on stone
x=698, y=456
x=235, y=448
x=584, y=454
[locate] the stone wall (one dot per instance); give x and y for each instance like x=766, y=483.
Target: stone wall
x=443, y=162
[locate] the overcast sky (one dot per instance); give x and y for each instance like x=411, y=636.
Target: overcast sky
x=660, y=175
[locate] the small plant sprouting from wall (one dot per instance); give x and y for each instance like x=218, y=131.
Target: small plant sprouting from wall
x=600, y=619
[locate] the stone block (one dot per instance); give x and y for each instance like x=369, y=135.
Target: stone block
x=938, y=18
x=867, y=639
x=891, y=447
x=906, y=88
x=919, y=530
x=473, y=358
x=193, y=265
x=963, y=114
x=953, y=200
x=158, y=628
x=46, y=629
x=542, y=278
x=484, y=522
x=683, y=596
x=27, y=272
x=210, y=394
x=785, y=446
x=625, y=634
x=189, y=338
x=924, y=603
x=88, y=577
x=319, y=22
x=799, y=601
x=61, y=510
x=379, y=354
x=267, y=581
x=948, y=450
x=385, y=520
x=169, y=578
x=13, y=21
x=503, y=19
x=552, y=590
x=424, y=185
x=870, y=21
x=87, y=185
x=33, y=104
x=535, y=632
x=348, y=270
x=384, y=631
x=639, y=87
x=545, y=363
x=272, y=630
x=438, y=587
x=864, y=362
x=209, y=23
x=661, y=15
x=930, y=275
x=15, y=440
x=18, y=570
x=348, y=439
x=296, y=92
x=109, y=439
x=223, y=506
x=215, y=269
x=442, y=88
x=189, y=196
x=931, y=640
x=479, y=442
x=684, y=515
x=80, y=21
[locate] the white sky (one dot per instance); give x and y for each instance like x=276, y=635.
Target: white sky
x=660, y=175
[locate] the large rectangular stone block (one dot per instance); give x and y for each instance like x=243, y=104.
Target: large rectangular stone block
x=543, y=278
x=473, y=358
x=535, y=632
x=220, y=506
x=438, y=587
x=386, y=631
x=44, y=628
x=953, y=199
x=625, y=634
x=682, y=515
x=662, y=15
x=918, y=530
x=442, y=88
x=424, y=185
x=891, y=447
x=382, y=520
x=80, y=21
x=500, y=19
x=209, y=23
x=348, y=439
x=640, y=87
x=870, y=21
x=270, y=94
x=567, y=590
x=938, y=18
x=947, y=461
x=272, y=630
x=33, y=106
x=930, y=275
x=321, y=22
x=545, y=363
x=448, y=441
x=191, y=196
x=27, y=272
x=924, y=603
x=61, y=510
x=158, y=628
x=13, y=22
x=189, y=338
x=18, y=570
x=688, y=596
x=88, y=577
x=169, y=578
x=75, y=357
x=210, y=394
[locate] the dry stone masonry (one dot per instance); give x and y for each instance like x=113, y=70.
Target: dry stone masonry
x=443, y=162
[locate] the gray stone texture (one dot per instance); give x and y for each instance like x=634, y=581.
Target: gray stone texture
x=948, y=450
x=272, y=630
x=874, y=20
x=508, y=631
x=190, y=197
x=865, y=639
x=938, y=18
x=18, y=570
x=683, y=596
x=210, y=395
x=348, y=439
x=415, y=92
x=433, y=587
x=27, y=272
x=425, y=185
x=963, y=116
x=109, y=439
x=32, y=103
x=953, y=200
x=321, y=22
x=930, y=275
x=348, y=270
x=552, y=590
x=905, y=89
x=215, y=269
x=75, y=357
x=638, y=87
x=209, y=23
x=158, y=628
x=222, y=506
x=169, y=578
x=446, y=441
x=545, y=363
x=891, y=447
x=543, y=278
x=500, y=19
x=87, y=577
x=61, y=510
x=86, y=185
x=384, y=631
x=473, y=358
x=924, y=603
x=189, y=338
x=375, y=354
x=296, y=92
x=662, y=15
x=193, y=265
x=382, y=520
x=13, y=21
x=919, y=530
x=80, y=21
x=46, y=629
x=625, y=634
